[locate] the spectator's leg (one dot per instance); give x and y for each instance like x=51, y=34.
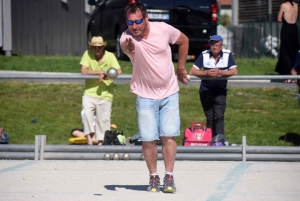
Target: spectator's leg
x=103, y=115
x=89, y=106
x=219, y=113
x=207, y=104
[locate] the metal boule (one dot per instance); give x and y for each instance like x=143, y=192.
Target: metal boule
x=107, y=157
x=112, y=73
x=116, y=157
x=126, y=157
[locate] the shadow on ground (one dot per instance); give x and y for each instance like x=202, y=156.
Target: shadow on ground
x=130, y=187
x=291, y=137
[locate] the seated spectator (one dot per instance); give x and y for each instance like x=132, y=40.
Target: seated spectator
x=79, y=132
x=4, y=137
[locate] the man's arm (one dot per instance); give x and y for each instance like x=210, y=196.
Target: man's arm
x=102, y=75
x=294, y=72
x=119, y=71
x=85, y=71
x=230, y=72
x=213, y=72
x=183, y=47
x=195, y=71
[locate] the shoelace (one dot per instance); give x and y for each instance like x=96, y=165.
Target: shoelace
x=154, y=181
x=169, y=180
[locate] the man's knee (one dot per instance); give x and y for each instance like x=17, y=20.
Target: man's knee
x=168, y=141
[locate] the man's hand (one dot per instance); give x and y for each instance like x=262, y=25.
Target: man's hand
x=182, y=76
x=102, y=77
x=213, y=73
x=129, y=46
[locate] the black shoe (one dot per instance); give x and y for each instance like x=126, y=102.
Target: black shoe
x=169, y=186
x=154, y=184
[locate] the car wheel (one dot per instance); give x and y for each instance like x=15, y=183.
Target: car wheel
x=118, y=51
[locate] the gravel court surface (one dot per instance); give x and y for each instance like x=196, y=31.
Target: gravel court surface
x=128, y=180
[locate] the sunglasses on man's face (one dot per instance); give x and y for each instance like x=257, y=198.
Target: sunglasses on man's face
x=131, y=22
x=97, y=47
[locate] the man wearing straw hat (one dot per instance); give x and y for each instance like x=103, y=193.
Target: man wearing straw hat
x=98, y=94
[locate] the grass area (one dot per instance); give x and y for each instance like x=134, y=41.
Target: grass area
x=246, y=66
x=263, y=115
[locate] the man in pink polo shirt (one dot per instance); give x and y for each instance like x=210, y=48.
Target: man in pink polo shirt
x=154, y=82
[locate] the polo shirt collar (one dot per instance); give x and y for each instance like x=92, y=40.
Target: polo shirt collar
x=210, y=54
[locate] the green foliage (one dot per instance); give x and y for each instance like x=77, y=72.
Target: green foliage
x=263, y=115
x=225, y=20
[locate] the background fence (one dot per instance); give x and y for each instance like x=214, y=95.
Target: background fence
x=42, y=151
x=257, y=38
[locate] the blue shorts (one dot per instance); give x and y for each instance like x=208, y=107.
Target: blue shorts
x=158, y=118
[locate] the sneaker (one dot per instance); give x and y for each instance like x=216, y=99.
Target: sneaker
x=154, y=184
x=169, y=186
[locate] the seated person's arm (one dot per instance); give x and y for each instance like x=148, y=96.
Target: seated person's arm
x=230, y=72
x=86, y=71
x=195, y=71
x=120, y=71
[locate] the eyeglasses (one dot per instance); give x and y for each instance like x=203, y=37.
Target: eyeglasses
x=131, y=22
x=97, y=47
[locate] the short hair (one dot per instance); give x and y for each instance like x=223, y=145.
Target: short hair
x=134, y=7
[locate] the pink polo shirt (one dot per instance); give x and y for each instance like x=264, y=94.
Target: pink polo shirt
x=153, y=73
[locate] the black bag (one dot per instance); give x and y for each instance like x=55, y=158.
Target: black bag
x=135, y=140
x=112, y=138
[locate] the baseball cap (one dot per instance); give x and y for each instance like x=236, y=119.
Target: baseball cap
x=215, y=38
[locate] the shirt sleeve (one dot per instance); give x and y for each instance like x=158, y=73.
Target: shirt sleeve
x=85, y=59
x=173, y=33
x=199, y=62
x=231, y=62
x=114, y=62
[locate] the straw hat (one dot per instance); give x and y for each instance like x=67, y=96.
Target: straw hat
x=97, y=41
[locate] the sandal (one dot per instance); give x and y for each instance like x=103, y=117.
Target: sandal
x=289, y=81
x=100, y=142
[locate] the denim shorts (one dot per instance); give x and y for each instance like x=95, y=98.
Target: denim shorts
x=158, y=118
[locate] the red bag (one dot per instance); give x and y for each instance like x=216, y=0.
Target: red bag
x=197, y=136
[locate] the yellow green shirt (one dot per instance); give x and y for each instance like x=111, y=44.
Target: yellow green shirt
x=93, y=87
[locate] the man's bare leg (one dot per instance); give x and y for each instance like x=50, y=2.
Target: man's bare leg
x=150, y=155
x=169, y=149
